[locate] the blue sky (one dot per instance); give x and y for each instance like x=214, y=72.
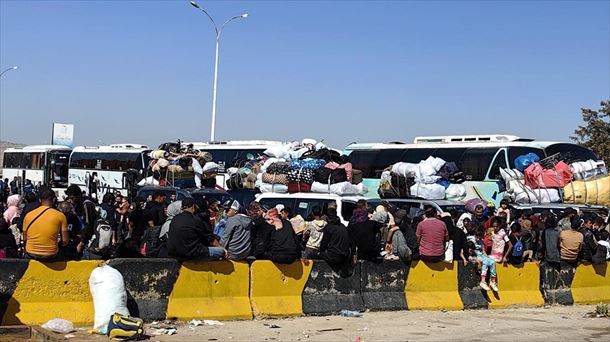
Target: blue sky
x=142, y=71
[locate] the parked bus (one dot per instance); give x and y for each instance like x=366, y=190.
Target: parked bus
x=230, y=153
x=42, y=164
x=102, y=169
x=479, y=157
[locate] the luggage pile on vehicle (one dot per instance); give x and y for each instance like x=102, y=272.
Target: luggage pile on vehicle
x=181, y=166
x=536, y=181
x=307, y=166
x=431, y=179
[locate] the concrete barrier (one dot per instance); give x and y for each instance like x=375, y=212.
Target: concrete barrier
x=50, y=290
x=327, y=292
x=473, y=297
x=149, y=283
x=210, y=290
x=519, y=286
x=555, y=282
x=11, y=271
x=276, y=289
x=591, y=284
x=433, y=286
x=383, y=285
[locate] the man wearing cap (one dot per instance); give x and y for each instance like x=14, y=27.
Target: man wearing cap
x=189, y=238
x=236, y=237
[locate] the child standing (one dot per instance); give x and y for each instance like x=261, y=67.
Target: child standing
x=503, y=209
x=499, y=240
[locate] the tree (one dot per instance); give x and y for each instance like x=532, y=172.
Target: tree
x=595, y=133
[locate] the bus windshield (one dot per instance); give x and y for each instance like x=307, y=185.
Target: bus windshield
x=58, y=168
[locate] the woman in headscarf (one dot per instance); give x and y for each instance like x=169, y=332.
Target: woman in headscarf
x=173, y=209
x=13, y=202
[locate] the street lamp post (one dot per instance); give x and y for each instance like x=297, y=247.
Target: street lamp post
x=11, y=68
x=218, y=32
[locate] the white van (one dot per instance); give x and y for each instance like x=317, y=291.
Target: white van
x=302, y=203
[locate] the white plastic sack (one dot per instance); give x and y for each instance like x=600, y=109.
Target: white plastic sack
x=197, y=167
x=427, y=179
x=341, y=189
x=455, y=192
x=528, y=195
x=449, y=252
x=588, y=169
x=435, y=162
x=404, y=169
x=428, y=191
x=59, y=325
x=231, y=171
x=109, y=296
x=276, y=188
x=511, y=174
x=210, y=167
x=148, y=181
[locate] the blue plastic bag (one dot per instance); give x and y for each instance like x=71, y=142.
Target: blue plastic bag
x=523, y=161
x=445, y=183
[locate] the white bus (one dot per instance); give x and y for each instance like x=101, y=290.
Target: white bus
x=479, y=157
x=102, y=169
x=230, y=153
x=42, y=164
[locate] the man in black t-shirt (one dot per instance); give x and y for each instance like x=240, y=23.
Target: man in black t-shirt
x=155, y=211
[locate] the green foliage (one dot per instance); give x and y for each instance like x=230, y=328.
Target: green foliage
x=595, y=133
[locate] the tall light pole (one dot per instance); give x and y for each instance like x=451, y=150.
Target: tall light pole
x=218, y=32
x=11, y=68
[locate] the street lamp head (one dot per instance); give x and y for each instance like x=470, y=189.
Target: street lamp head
x=194, y=4
x=245, y=15
x=15, y=67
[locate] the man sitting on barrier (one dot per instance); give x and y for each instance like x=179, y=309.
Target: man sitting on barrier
x=236, y=237
x=261, y=231
x=189, y=238
x=335, y=245
x=431, y=237
x=364, y=234
x=43, y=228
x=570, y=243
x=283, y=248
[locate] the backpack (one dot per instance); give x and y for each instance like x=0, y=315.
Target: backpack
x=125, y=328
x=102, y=237
x=518, y=248
x=153, y=243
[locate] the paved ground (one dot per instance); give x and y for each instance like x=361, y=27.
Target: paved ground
x=556, y=323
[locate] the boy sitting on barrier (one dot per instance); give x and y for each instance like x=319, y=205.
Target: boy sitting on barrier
x=478, y=256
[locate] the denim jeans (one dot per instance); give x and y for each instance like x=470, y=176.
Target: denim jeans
x=216, y=253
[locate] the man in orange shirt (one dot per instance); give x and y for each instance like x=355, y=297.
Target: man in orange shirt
x=43, y=227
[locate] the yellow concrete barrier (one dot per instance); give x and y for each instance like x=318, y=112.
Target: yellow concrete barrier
x=52, y=290
x=433, y=286
x=519, y=286
x=276, y=290
x=591, y=284
x=211, y=290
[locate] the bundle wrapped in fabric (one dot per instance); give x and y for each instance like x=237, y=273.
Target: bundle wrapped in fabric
x=301, y=176
x=428, y=191
x=332, y=176
x=308, y=164
x=536, y=177
x=589, y=169
x=455, y=192
x=275, y=178
x=513, y=178
x=278, y=168
x=527, y=195
x=404, y=169
x=341, y=189
x=347, y=167
x=277, y=188
x=451, y=172
x=298, y=187
x=593, y=192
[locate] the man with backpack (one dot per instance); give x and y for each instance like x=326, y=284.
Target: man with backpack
x=86, y=210
x=44, y=228
x=515, y=254
x=104, y=230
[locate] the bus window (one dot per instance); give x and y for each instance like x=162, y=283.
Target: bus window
x=415, y=155
x=475, y=163
x=272, y=202
x=514, y=152
x=499, y=162
x=449, y=154
x=37, y=161
x=363, y=160
x=386, y=158
x=570, y=153
x=12, y=160
x=347, y=210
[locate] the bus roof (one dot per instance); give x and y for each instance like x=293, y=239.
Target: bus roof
x=122, y=148
x=400, y=146
x=39, y=148
x=219, y=145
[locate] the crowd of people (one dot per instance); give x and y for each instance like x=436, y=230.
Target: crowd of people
x=35, y=226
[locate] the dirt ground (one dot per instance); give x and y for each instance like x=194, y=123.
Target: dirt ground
x=558, y=323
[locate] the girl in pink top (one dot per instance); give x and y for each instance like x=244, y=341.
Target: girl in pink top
x=499, y=240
